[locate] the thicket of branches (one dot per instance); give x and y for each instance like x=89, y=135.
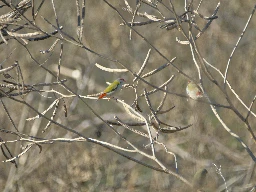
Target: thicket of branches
x=54, y=56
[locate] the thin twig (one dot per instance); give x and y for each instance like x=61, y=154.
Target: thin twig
x=234, y=49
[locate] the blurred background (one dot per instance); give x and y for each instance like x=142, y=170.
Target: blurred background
x=83, y=166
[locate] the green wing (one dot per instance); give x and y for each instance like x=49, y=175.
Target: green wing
x=112, y=87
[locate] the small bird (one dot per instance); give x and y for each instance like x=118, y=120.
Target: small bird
x=112, y=88
x=194, y=91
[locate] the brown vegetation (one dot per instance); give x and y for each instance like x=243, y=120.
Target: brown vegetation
x=55, y=59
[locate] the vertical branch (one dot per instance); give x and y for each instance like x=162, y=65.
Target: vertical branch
x=234, y=49
x=80, y=19
x=33, y=10
x=60, y=57
x=56, y=18
x=233, y=134
x=199, y=4
x=9, y=116
x=133, y=18
x=146, y=122
x=250, y=108
x=143, y=65
x=39, y=7
x=9, y=152
x=230, y=87
x=19, y=72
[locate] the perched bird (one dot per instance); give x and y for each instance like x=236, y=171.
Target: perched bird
x=112, y=88
x=194, y=91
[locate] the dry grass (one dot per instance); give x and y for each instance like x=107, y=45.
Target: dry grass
x=79, y=163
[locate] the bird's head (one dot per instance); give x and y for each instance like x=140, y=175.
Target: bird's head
x=121, y=80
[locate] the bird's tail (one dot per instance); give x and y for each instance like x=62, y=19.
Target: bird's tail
x=102, y=95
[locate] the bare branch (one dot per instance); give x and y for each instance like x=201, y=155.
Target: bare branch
x=110, y=70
